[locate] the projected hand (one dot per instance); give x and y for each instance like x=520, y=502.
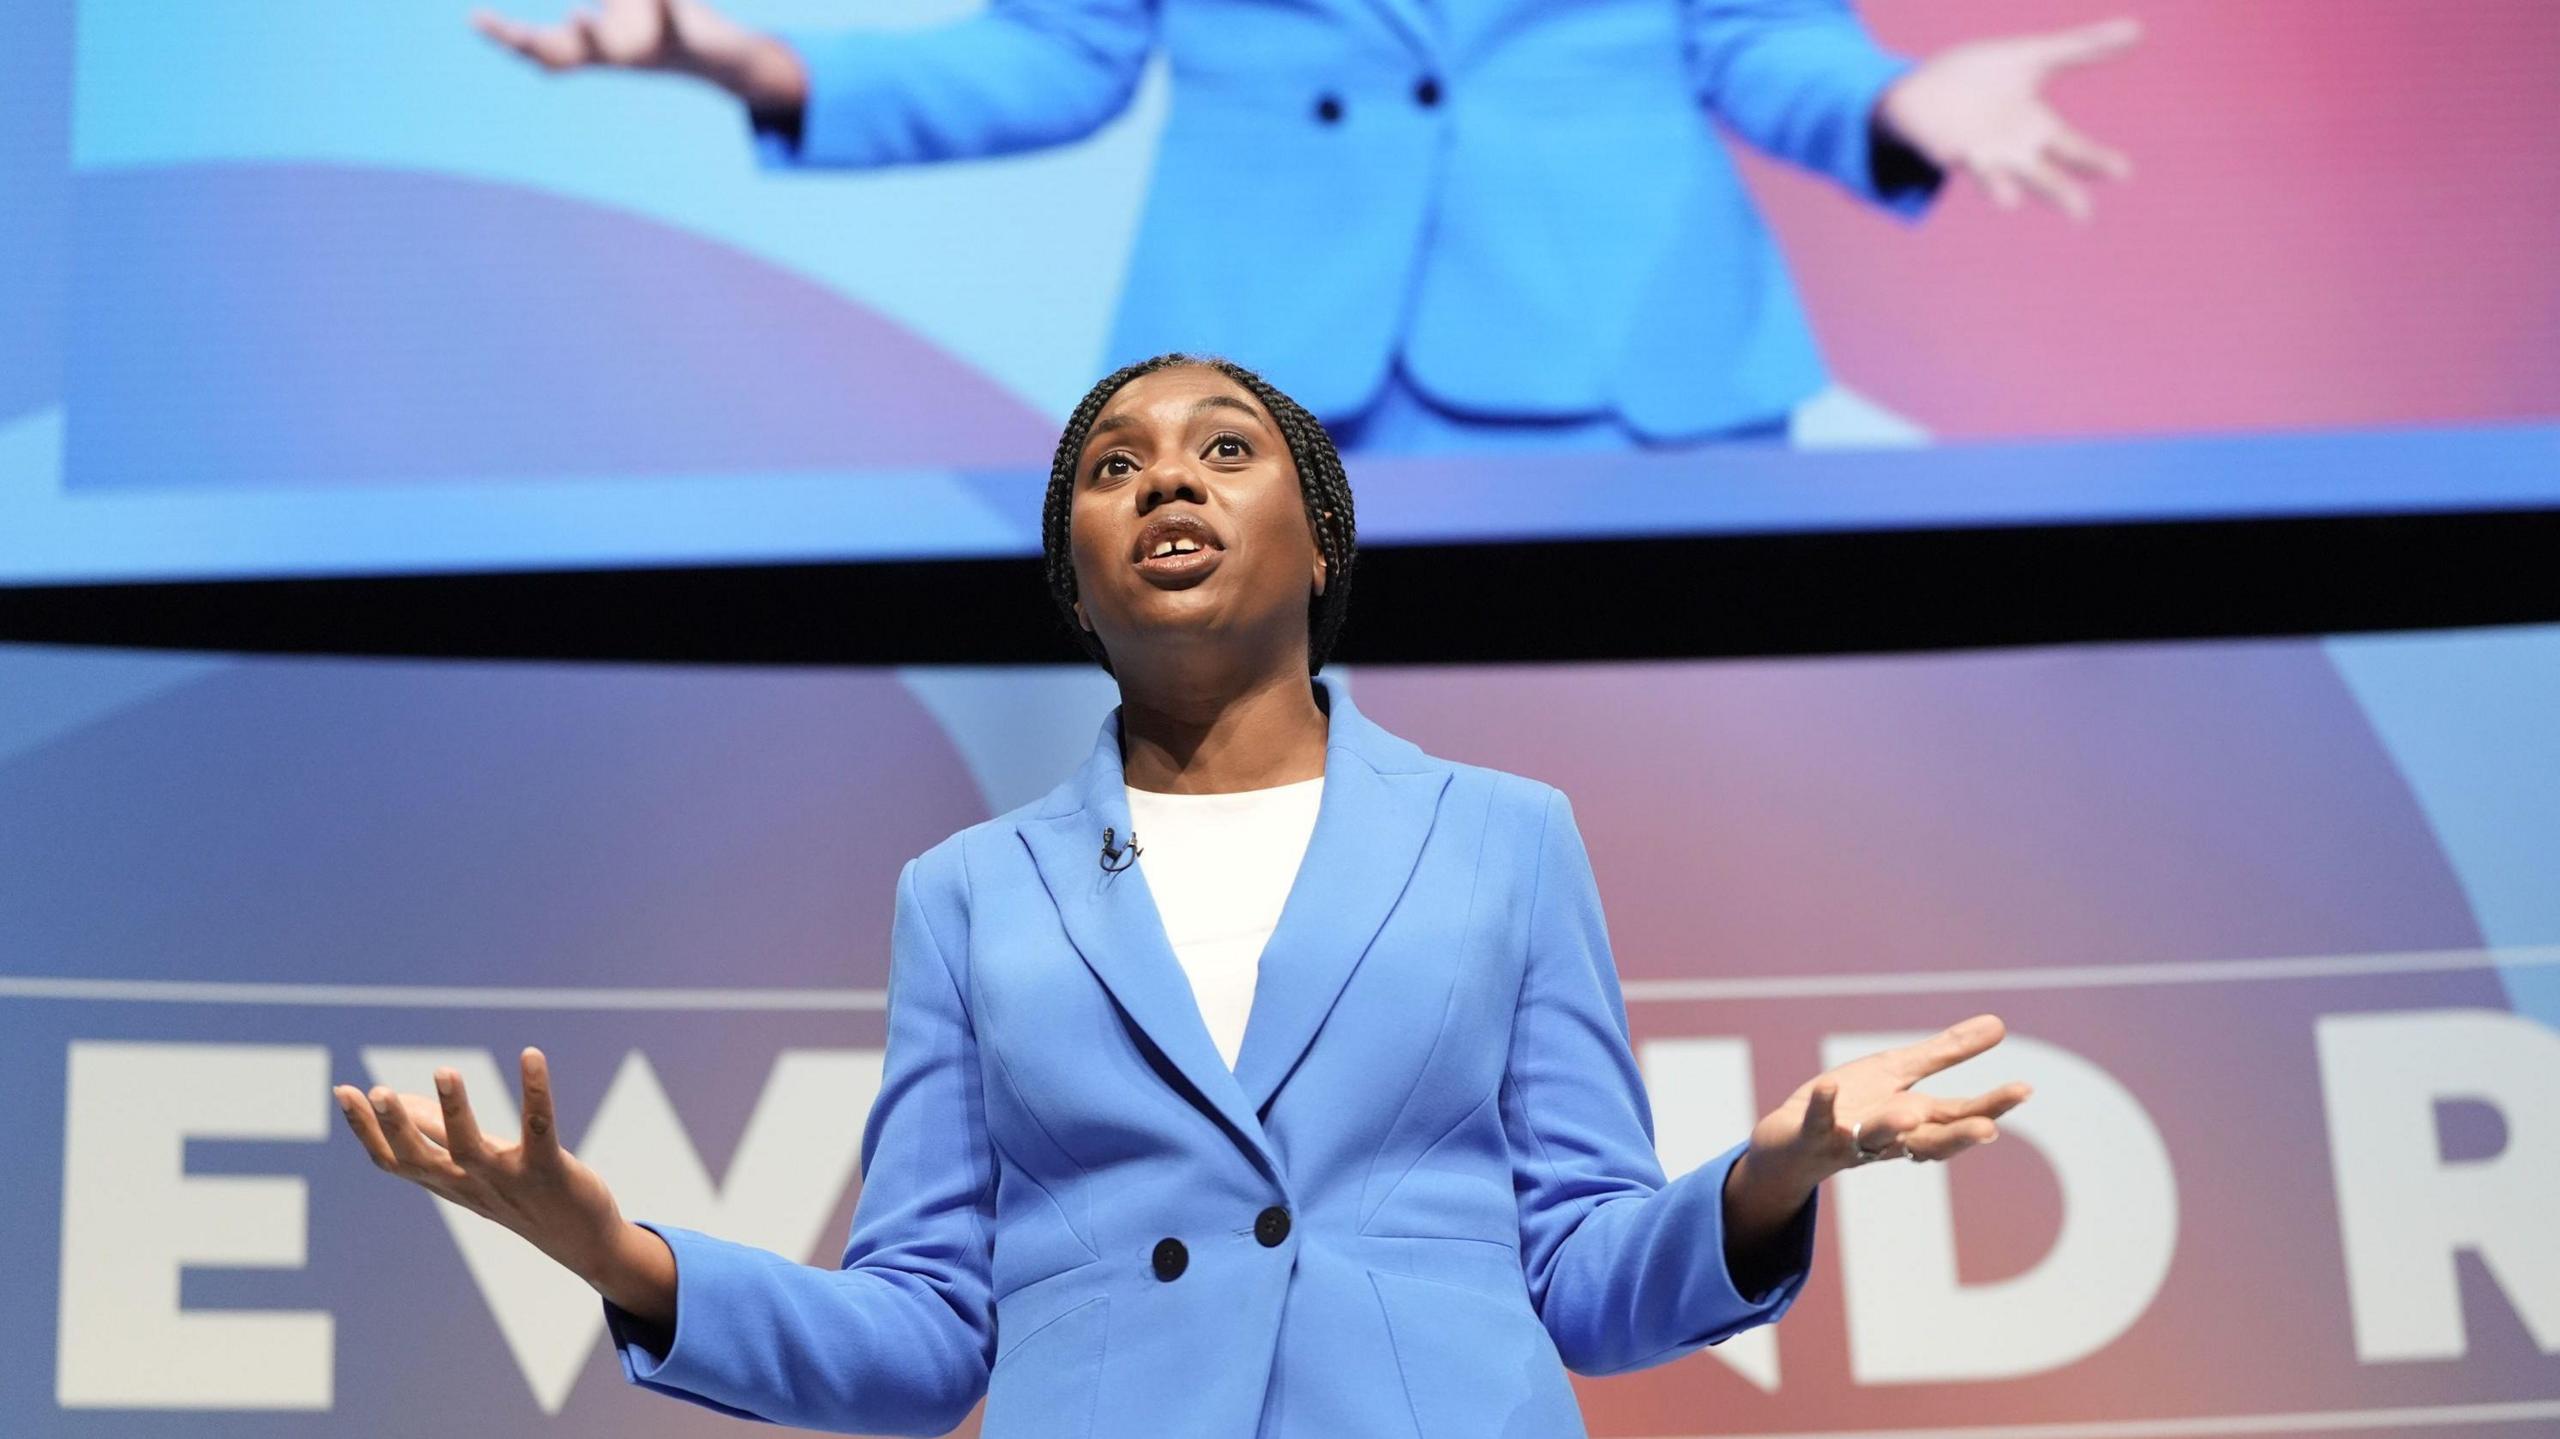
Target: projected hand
x=1979, y=108
x=534, y=1187
x=684, y=37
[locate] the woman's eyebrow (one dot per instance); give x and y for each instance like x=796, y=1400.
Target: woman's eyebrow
x=1213, y=402
x=1126, y=421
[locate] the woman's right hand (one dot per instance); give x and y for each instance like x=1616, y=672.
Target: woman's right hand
x=684, y=37
x=534, y=1187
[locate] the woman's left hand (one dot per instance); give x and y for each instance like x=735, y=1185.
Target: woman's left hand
x=1979, y=108
x=1866, y=1110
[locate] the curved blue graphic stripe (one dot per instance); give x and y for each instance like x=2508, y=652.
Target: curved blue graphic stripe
x=2470, y=720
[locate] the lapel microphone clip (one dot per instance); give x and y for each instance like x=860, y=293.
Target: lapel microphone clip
x=1109, y=853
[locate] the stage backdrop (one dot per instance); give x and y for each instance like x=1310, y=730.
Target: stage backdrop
x=311, y=287
x=2273, y=925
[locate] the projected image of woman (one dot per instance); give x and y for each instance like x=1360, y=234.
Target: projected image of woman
x=1443, y=224
x=1268, y=1077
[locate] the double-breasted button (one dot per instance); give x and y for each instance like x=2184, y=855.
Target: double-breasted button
x=1426, y=92
x=1171, y=1258
x=1271, y=1226
x=1329, y=108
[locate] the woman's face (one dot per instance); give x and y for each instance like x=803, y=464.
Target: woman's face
x=1188, y=526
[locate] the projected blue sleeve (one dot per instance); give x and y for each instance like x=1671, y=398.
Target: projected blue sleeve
x=1019, y=75
x=1800, y=80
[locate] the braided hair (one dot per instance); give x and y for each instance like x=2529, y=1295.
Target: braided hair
x=1321, y=483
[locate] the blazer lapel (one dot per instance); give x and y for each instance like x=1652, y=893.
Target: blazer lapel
x=1111, y=918
x=1380, y=797
x=1415, y=22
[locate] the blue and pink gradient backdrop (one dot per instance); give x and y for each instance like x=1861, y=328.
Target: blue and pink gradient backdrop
x=298, y=286
x=339, y=824
x=317, y=288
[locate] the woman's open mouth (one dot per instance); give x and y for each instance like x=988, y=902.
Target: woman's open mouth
x=1176, y=548
x=1183, y=564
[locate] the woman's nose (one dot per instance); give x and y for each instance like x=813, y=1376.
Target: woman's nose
x=1170, y=479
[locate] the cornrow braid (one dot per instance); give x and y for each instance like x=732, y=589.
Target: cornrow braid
x=1321, y=483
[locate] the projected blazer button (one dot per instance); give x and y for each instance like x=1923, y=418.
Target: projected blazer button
x=1171, y=1258
x=1426, y=92
x=1329, y=108
x=1271, y=1226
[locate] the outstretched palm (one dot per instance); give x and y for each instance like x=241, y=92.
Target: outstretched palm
x=630, y=34
x=684, y=37
x=1979, y=108
x=1865, y=1110
x=535, y=1186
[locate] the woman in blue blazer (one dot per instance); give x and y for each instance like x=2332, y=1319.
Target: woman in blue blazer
x=1425, y=1189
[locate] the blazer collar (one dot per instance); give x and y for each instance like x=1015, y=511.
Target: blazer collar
x=1381, y=793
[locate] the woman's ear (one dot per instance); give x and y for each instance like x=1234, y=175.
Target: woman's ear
x=1320, y=572
x=1080, y=619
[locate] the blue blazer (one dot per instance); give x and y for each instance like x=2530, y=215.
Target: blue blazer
x=1523, y=198
x=1426, y=1190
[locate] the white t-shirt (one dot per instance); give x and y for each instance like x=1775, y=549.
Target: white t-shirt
x=1220, y=867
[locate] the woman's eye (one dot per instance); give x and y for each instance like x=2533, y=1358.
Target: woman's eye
x=1227, y=447
x=1111, y=465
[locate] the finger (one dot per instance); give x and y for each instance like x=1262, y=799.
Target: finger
x=2087, y=44
x=666, y=25
x=505, y=30
x=1892, y=1150
x=553, y=47
x=541, y=1129
x=1945, y=1141
x=1990, y=1104
x=2054, y=187
x=427, y=1115
x=418, y=1157
x=461, y=1127
x=366, y=1117
x=2082, y=155
x=2004, y=193
x=588, y=32
x=1821, y=1115
x=360, y=1118
x=1952, y=1045
x=415, y=1115
x=627, y=26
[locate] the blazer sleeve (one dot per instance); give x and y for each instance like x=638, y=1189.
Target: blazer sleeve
x=1626, y=1270
x=1800, y=80
x=1017, y=75
x=898, y=1340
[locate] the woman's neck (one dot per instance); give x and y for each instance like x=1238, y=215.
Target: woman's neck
x=1204, y=739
